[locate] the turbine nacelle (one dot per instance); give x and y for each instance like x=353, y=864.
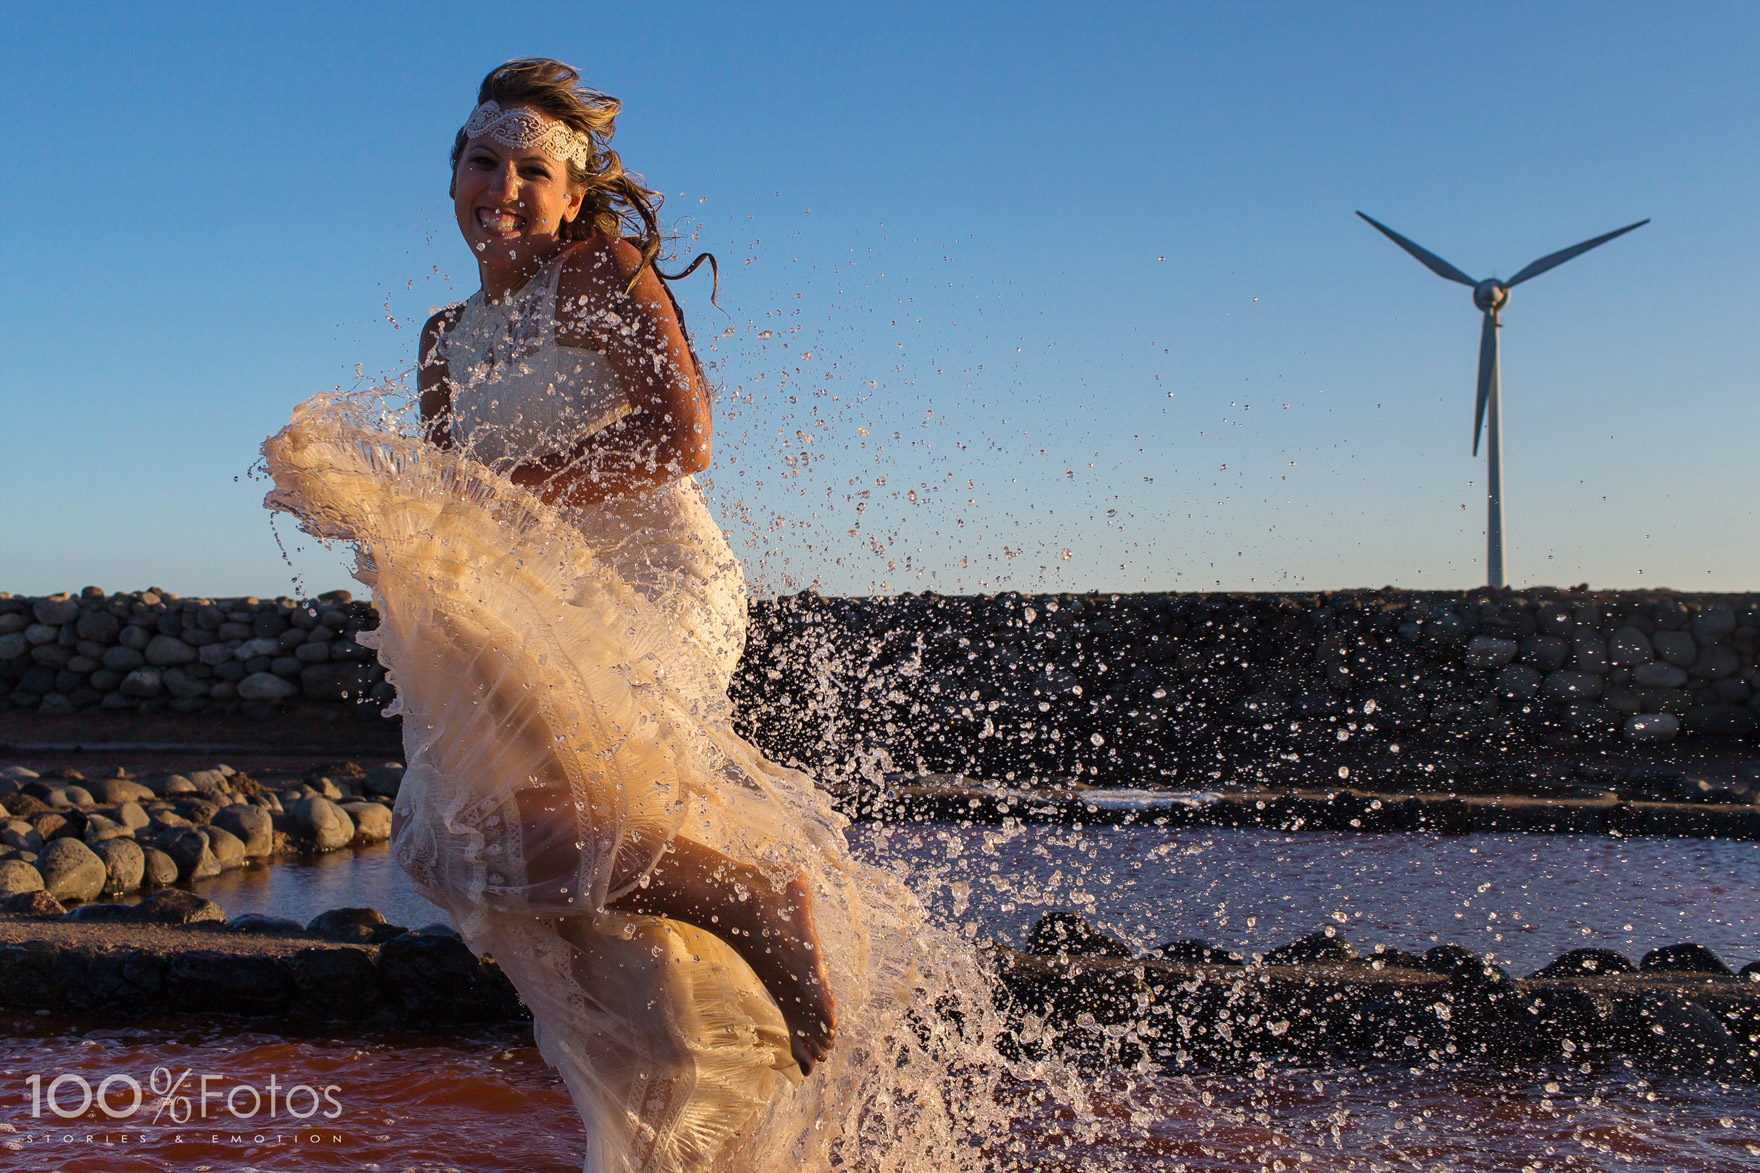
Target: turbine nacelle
x=1490, y=295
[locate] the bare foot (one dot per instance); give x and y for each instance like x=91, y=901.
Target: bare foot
x=787, y=957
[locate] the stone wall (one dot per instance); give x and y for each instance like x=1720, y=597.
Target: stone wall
x=1144, y=687
x=1258, y=688
x=151, y=651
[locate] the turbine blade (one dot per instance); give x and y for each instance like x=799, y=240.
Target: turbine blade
x=1429, y=259
x=1487, y=374
x=1553, y=260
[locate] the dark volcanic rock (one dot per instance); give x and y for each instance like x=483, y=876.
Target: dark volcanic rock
x=1445, y=959
x=218, y=982
x=1402, y=1025
x=174, y=906
x=112, y=981
x=1194, y=951
x=1683, y=958
x=336, y=983
x=1319, y=946
x=1560, y=1020
x=364, y=926
x=1686, y=1037
x=39, y=904
x=1586, y=963
x=438, y=979
x=1387, y=955
x=1067, y=933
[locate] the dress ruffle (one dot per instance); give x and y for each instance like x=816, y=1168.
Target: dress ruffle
x=562, y=681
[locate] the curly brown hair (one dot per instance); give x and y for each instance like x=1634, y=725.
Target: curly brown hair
x=618, y=203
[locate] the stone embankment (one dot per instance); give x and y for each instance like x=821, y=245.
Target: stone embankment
x=67, y=838
x=1350, y=811
x=176, y=953
x=1237, y=689
x=151, y=651
x=1185, y=690
x=1679, y=1008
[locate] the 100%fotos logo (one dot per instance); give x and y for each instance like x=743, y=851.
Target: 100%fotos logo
x=71, y=1095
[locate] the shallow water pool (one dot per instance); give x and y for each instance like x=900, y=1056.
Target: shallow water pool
x=1521, y=899
x=410, y=1101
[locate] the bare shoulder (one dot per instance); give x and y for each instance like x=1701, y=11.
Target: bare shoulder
x=602, y=258
x=439, y=323
x=595, y=297
x=430, y=360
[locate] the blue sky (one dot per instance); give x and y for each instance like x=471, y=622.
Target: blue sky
x=1083, y=279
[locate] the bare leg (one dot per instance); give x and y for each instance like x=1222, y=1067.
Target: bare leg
x=770, y=926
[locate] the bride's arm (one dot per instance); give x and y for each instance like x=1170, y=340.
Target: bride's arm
x=667, y=433
x=433, y=391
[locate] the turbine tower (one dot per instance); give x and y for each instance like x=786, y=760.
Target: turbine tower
x=1491, y=295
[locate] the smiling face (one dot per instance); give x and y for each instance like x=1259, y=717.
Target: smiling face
x=511, y=204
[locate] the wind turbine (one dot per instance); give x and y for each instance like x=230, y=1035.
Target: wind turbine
x=1491, y=295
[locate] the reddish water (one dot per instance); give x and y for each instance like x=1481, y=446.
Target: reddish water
x=486, y=1101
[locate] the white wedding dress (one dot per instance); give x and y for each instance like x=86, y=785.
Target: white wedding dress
x=562, y=678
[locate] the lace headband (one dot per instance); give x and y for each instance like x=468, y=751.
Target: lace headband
x=524, y=128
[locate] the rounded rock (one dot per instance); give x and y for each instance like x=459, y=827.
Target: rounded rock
x=124, y=864
x=1519, y=681
x=121, y=659
x=384, y=779
x=119, y=790
x=1676, y=647
x=189, y=850
x=253, y=826
x=252, y=649
x=1545, y=652
x=55, y=610
x=99, y=626
x=16, y=877
x=1586, y=963
x=20, y=836
x=158, y=869
x=266, y=686
x=1629, y=648
x=71, y=870
x=228, y=848
x=1573, y=686
x=1718, y=662
x=177, y=907
x=142, y=683
x=1649, y=728
x=323, y=823
x=372, y=820
x=167, y=651
x=1713, y=624
x=1484, y=651
x=1659, y=676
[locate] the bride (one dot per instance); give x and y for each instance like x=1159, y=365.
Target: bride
x=561, y=615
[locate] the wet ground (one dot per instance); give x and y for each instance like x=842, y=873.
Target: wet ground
x=485, y=1101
